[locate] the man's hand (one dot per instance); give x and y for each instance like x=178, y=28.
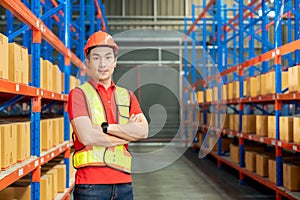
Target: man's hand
x=135, y=118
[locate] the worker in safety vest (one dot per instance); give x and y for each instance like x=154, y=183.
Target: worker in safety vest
x=105, y=118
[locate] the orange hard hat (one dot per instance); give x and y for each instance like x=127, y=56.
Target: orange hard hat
x=100, y=38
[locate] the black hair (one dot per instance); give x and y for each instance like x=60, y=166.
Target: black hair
x=89, y=50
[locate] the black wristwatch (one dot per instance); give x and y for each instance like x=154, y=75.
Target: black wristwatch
x=104, y=127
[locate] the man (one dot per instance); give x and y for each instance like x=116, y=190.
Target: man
x=105, y=118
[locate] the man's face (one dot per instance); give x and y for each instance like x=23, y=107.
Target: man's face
x=101, y=63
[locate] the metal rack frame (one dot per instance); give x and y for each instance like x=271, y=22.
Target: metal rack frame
x=34, y=28
x=234, y=32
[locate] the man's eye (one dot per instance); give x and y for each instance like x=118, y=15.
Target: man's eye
x=108, y=57
x=95, y=58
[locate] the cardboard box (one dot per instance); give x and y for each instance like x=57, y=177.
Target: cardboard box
x=224, y=121
x=248, y=123
x=272, y=170
x=56, y=79
x=224, y=92
x=253, y=86
x=61, y=130
x=234, y=122
x=46, y=187
x=200, y=96
x=208, y=119
x=23, y=141
x=291, y=176
x=271, y=127
x=230, y=90
x=208, y=95
x=270, y=84
x=72, y=82
x=13, y=144
x=24, y=68
x=46, y=75
x=53, y=173
x=262, y=164
x=286, y=128
x=291, y=79
x=245, y=88
x=296, y=79
x=5, y=131
x=15, y=63
x=46, y=134
x=236, y=90
x=19, y=193
x=61, y=174
x=215, y=94
x=262, y=125
x=3, y=56
x=250, y=160
x=284, y=81
x=235, y=153
x=55, y=131
x=296, y=128
x=263, y=83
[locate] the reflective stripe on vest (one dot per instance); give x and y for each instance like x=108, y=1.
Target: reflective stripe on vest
x=116, y=157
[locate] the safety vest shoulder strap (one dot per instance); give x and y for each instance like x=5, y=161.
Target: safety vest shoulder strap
x=123, y=101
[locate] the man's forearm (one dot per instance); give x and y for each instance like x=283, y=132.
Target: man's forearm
x=89, y=135
x=129, y=132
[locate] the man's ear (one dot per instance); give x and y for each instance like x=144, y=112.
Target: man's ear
x=115, y=62
x=87, y=61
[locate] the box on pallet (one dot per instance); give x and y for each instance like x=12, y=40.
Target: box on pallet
x=271, y=127
x=262, y=125
x=248, y=123
x=3, y=56
x=286, y=128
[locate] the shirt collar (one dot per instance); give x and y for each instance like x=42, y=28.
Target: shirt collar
x=99, y=85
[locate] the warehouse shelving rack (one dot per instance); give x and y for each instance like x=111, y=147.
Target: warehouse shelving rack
x=233, y=32
x=34, y=28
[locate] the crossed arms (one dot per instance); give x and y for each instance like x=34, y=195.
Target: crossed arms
x=136, y=129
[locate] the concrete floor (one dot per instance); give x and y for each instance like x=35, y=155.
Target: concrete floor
x=192, y=178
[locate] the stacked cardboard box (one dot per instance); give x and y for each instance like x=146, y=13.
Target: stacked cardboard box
x=291, y=176
x=8, y=145
x=200, y=97
x=271, y=127
x=3, y=56
x=56, y=79
x=46, y=134
x=248, y=123
x=235, y=153
x=224, y=92
x=208, y=95
x=262, y=125
x=294, y=79
x=272, y=170
x=250, y=160
x=286, y=129
x=262, y=164
x=296, y=128
x=18, y=64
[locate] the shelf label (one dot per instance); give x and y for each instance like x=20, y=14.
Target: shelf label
x=42, y=160
x=241, y=134
x=60, y=149
x=250, y=137
x=295, y=148
x=52, y=154
x=261, y=140
x=42, y=92
x=52, y=94
x=62, y=96
x=259, y=98
x=68, y=145
x=273, y=97
x=294, y=95
x=36, y=163
x=279, y=143
x=37, y=92
x=17, y=87
x=21, y=172
x=273, y=142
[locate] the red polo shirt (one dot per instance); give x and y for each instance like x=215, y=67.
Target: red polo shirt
x=76, y=108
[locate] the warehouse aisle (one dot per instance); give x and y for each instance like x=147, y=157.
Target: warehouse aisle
x=191, y=178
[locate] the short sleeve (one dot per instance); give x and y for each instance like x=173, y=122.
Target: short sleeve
x=134, y=105
x=76, y=104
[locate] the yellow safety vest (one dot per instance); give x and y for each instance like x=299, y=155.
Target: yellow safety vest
x=116, y=157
